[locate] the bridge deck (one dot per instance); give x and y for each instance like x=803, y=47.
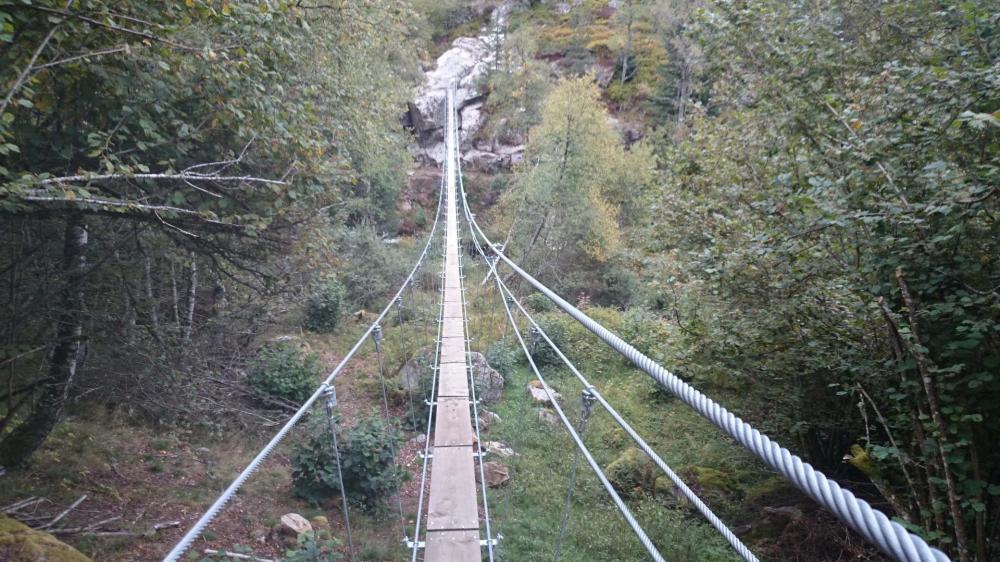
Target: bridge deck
x=453, y=509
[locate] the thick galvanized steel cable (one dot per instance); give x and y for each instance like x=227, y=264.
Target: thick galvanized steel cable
x=640, y=533
x=456, y=170
x=432, y=403
x=702, y=508
x=196, y=530
x=875, y=526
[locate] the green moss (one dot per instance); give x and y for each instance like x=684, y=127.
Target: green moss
x=20, y=543
x=632, y=473
x=710, y=479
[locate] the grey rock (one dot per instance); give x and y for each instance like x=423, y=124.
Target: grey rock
x=496, y=474
x=547, y=416
x=293, y=524
x=540, y=396
x=489, y=383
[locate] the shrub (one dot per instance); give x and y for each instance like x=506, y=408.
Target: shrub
x=542, y=353
x=313, y=548
x=501, y=357
x=282, y=371
x=324, y=307
x=366, y=455
x=537, y=302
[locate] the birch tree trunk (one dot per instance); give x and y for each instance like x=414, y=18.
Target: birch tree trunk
x=31, y=433
x=192, y=293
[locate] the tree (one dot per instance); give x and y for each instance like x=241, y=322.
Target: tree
x=151, y=134
x=570, y=188
x=832, y=217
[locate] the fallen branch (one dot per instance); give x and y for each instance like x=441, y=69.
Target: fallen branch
x=236, y=555
x=89, y=529
x=64, y=513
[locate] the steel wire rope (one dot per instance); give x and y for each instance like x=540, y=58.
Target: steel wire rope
x=377, y=338
x=647, y=543
x=475, y=240
x=431, y=403
x=706, y=512
x=455, y=170
x=876, y=527
x=195, y=531
x=686, y=491
x=432, y=399
x=702, y=508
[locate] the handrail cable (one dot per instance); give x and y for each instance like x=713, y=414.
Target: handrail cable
x=455, y=145
x=195, y=531
x=647, y=543
x=506, y=294
x=891, y=537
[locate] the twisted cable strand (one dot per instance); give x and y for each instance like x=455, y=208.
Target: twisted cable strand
x=213, y=511
x=872, y=524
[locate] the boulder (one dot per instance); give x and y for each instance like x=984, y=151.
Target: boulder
x=498, y=448
x=482, y=161
x=496, y=474
x=489, y=383
x=419, y=366
x=540, y=396
x=484, y=422
x=20, y=543
x=293, y=525
x=548, y=416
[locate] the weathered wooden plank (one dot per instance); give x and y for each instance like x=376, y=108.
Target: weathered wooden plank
x=454, y=380
x=453, y=423
x=452, y=504
x=453, y=328
x=453, y=350
x=453, y=309
x=452, y=546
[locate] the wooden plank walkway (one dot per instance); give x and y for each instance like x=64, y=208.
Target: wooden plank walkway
x=453, y=509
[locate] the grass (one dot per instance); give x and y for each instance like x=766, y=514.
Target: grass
x=129, y=468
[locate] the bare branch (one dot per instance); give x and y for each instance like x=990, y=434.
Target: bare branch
x=182, y=176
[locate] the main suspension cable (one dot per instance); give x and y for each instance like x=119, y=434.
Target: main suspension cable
x=199, y=526
x=891, y=537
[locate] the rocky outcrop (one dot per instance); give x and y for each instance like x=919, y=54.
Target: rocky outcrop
x=417, y=368
x=548, y=416
x=540, y=396
x=498, y=448
x=21, y=543
x=465, y=65
x=293, y=525
x=489, y=383
x=496, y=474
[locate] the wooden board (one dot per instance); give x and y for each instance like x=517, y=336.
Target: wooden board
x=453, y=309
x=453, y=350
x=453, y=546
x=454, y=380
x=453, y=504
x=453, y=423
x=453, y=329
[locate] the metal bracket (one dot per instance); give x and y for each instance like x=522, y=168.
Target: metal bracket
x=330, y=393
x=411, y=545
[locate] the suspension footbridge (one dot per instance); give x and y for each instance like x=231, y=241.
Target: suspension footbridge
x=453, y=520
